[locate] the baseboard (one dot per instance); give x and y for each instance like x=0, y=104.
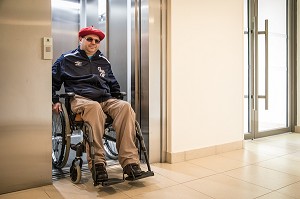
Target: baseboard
x=203, y=152
x=297, y=129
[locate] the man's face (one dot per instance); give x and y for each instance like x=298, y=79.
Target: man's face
x=90, y=44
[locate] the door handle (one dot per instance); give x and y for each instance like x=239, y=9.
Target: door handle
x=266, y=33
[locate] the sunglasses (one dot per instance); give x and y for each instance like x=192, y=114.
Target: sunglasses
x=89, y=39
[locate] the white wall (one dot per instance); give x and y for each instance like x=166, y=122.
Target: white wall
x=205, y=74
x=25, y=84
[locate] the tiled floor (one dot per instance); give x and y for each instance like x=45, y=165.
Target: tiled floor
x=267, y=168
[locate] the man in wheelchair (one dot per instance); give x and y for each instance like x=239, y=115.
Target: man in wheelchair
x=87, y=73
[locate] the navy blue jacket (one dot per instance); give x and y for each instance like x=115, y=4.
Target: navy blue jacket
x=90, y=78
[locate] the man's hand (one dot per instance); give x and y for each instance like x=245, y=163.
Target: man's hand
x=56, y=107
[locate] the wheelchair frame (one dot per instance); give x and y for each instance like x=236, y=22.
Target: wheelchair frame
x=61, y=143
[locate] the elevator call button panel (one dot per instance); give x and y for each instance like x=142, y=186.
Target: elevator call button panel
x=47, y=48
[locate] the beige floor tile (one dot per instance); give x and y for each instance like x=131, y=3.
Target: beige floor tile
x=282, y=164
x=87, y=190
x=181, y=172
x=95, y=195
x=293, y=156
x=268, y=149
x=52, y=192
x=275, y=195
x=264, y=177
x=224, y=187
x=218, y=163
x=285, y=144
x=289, y=137
x=245, y=156
x=174, y=192
x=292, y=190
x=37, y=193
x=145, y=185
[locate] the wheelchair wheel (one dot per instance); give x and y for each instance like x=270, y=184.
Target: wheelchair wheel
x=60, y=138
x=75, y=173
x=110, y=147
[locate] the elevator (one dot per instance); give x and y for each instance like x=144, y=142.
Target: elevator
x=126, y=45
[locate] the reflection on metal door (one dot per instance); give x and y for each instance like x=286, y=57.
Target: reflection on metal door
x=266, y=68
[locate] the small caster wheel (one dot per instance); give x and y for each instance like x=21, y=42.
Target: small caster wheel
x=75, y=173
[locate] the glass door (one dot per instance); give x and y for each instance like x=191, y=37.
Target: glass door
x=266, y=68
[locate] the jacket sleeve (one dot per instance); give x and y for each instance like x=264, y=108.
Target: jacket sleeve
x=113, y=83
x=56, y=78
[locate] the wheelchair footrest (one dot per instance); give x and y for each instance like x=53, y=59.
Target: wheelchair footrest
x=112, y=181
x=145, y=174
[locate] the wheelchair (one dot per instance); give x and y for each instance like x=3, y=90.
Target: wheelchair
x=66, y=122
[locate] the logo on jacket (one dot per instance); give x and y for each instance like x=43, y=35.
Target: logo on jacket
x=78, y=63
x=102, y=72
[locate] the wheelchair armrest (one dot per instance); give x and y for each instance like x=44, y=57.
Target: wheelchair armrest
x=118, y=95
x=67, y=95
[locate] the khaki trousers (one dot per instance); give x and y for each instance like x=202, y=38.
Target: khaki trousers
x=123, y=123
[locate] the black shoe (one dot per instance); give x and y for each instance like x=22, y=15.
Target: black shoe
x=100, y=173
x=132, y=170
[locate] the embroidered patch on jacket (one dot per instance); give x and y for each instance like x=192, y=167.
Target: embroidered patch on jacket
x=102, y=72
x=78, y=63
